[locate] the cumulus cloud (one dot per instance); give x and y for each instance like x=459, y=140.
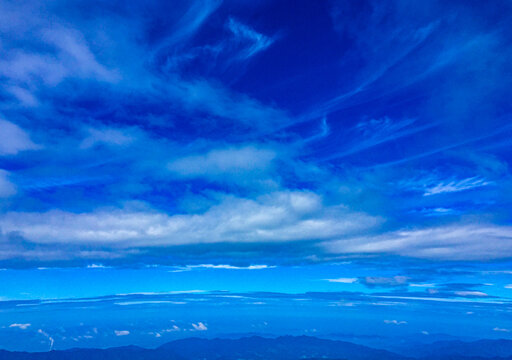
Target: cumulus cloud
x=450, y=242
x=20, y=326
x=14, y=139
x=121, y=332
x=395, y=322
x=343, y=280
x=276, y=217
x=199, y=327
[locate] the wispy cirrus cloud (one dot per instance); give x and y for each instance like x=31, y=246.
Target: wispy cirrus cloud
x=243, y=33
x=456, y=186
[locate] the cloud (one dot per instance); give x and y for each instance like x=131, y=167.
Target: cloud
x=343, y=280
x=190, y=21
x=272, y=218
x=13, y=139
x=20, y=326
x=203, y=96
x=226, y=267
x=508, y=286
x=501, y=329
x=97, y=266
x=257, y=42
x=395, y=322
x=46, y=335
x=422, y=285
x=223, y=162
x=371, y=133
x=106, y=136
x=7, y=188
x=121, y=332
x=449, y=242
x=456, y=186
x=379, y=281
x=49, y=54
x=471, y=294
x=431, y=185
x=199, y=327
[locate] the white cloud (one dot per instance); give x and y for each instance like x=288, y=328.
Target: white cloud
x=280, y=216
x=471, y=294
x=224, y=161
x=96, y=266
x=121, y=332
x=106, y=136
x=227, y=267
x=422, y=285
x=456, y=186
x=213, y=98
x=13, y=139
x=385, y=281
x=46, y=335
x=7, y=188
x=508, y=286
x=70, y=56
x=20, y=326
x=395, y=322
x=172, y=329
x=501, y=329
x=450, y=242
x=431, y=185
x=199, y=327
x=343, y=280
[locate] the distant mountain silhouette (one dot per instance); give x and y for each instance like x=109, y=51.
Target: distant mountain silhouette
x=451, y=349
x=281, y=348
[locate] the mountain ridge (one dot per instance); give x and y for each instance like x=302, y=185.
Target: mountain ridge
x=280, y=348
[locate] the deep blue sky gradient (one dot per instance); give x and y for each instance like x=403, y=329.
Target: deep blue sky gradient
x=358, y=151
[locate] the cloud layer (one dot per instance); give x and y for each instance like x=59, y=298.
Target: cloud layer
x=236, y=135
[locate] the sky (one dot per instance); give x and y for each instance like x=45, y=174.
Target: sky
x=214, y=168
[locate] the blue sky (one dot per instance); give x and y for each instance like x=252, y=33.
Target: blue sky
x=356, y=150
